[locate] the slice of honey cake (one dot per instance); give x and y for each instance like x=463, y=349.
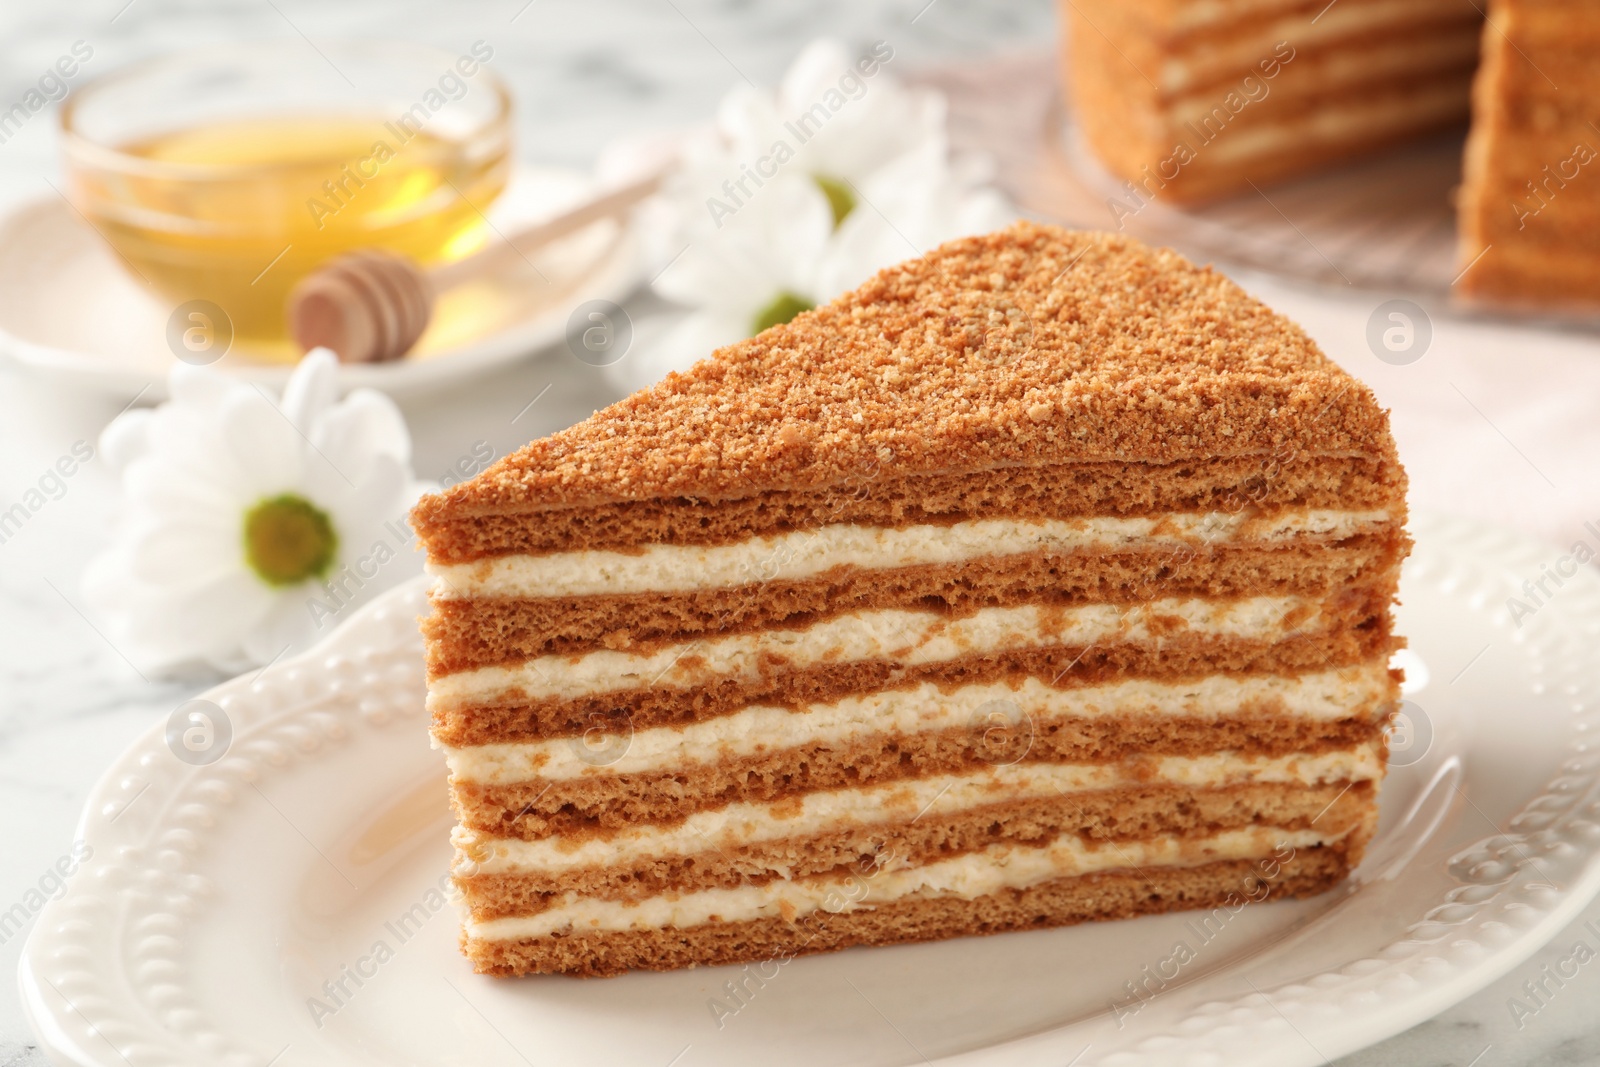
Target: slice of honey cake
x=1044, y=578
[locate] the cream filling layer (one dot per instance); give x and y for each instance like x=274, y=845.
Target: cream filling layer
x=808, y=553
x=1025, y=707
x=968, y=877
x=1340, y=74
x=1310, y=34
x=1200, y=14
x=737, y=825
x=1331, y=124
x=908, y=638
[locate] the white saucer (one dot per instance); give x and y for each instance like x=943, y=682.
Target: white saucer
x=219, y=899
x=69, y=308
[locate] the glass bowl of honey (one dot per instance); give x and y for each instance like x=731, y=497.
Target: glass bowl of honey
x=225, y=175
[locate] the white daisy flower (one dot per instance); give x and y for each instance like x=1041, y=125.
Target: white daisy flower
x=835, y=118
x=912, y=204
x=798, y=195
x=249, y=526
x=761, y=269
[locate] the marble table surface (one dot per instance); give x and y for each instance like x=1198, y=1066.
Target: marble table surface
x=1496, y=422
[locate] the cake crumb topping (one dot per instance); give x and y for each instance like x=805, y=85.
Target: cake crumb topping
x=1027, y=346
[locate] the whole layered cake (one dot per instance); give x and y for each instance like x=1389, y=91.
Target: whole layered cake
x=1194, y=99
x=1045, y=578
x=1530, y=192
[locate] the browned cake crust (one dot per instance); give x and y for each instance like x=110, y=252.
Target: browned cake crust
x=1269, y=483
x=1114, y=815
x=1111, y=895
x=1033, y=345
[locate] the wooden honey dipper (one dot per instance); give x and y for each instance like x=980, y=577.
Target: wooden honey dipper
x=372, y=305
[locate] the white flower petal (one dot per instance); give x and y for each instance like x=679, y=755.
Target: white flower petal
x=378, y=499
x=190, y=441
x=680, y=347
x=186, y=550
x=311, y=389
x=856, y=123
x=356, y=431
x=126, y=438
x=816, y=69
x=864, y=245
x=327, y=488
x=159, y=630
x=208, y=622
x=924, y=201
x=174, y=587
x=268, y=449
x=772, y=244
x=749, y=123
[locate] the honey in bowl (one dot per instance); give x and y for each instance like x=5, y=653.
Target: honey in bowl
x=235, y=209
x=296, y=193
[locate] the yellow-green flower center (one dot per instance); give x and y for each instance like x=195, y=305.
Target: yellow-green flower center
x=841, y=198
x=288, y=539
x=784, y=306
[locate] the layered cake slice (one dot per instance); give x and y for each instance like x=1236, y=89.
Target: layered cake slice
x=1530, y=191
x=1045, y=578
x=1188, y=100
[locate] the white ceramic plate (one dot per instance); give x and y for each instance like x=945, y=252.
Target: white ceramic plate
x=69, y=309
x=225, y=905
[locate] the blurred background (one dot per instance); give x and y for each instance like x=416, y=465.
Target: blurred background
x=1493, y=413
